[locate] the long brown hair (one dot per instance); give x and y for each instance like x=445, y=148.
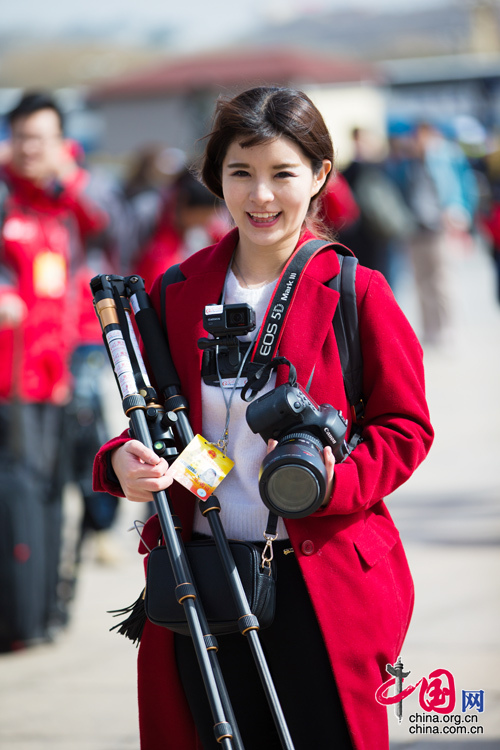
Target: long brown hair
x=263, y=114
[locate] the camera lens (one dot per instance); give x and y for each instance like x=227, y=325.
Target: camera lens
x=293, y=476
x=235, y=318
x=293, y=488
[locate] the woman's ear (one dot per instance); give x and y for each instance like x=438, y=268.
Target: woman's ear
x=320, y=177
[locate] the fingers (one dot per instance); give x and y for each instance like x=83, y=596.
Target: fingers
x=329, y=460
x=142, y=452
x=140, y=471
x=271, y=445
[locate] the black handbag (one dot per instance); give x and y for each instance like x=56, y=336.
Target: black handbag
x=259, y=583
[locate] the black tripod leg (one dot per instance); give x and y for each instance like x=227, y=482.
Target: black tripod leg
x=249, y=624
x=212, y=648
x=186, y=595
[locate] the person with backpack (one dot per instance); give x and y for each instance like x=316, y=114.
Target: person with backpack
x=344, y=592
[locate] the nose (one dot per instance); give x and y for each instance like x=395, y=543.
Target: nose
x=261, y=193
x=30, y=145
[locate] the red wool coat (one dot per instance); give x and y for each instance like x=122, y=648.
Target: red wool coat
x=350, y=553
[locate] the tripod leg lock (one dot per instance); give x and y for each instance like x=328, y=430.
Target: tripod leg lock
x=185, y=591
x=211, y=642
x=223, y=731
x=248, y=622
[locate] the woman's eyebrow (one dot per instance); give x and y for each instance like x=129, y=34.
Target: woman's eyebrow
x=242, y=165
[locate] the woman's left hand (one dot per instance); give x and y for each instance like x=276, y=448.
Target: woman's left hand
x=329, y=460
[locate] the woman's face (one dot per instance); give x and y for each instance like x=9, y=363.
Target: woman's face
x=268, y=189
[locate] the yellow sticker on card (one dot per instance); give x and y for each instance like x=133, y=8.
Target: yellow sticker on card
x=201, y=467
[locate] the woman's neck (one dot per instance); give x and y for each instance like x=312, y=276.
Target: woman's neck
x=259, y=266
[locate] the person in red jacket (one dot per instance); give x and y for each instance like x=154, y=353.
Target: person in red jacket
x=45, y=216
x=189, y=216
x=344, y=590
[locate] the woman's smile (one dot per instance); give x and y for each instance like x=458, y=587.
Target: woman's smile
x=264, y=219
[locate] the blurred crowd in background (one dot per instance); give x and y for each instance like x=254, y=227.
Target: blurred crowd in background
x=407, y=203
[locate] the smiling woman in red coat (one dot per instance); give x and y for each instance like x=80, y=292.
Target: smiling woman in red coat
x=344, y=591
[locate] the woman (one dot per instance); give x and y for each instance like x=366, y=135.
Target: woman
x=344, y=591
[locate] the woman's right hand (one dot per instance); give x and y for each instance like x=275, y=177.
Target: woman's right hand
x=140, y=471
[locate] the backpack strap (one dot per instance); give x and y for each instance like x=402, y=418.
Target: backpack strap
x=171, y=276
x=346, y=328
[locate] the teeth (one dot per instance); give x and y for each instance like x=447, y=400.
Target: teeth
x=263, y=215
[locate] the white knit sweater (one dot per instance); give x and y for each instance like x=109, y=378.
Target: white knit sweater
x=243, y=515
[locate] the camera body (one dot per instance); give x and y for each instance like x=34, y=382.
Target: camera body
x=228, y=320
x=289, y=407
x=293, y=477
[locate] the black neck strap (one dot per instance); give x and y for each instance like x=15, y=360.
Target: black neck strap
x=277, y=312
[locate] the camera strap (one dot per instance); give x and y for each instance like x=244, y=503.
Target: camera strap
x=277, y=312
x=263, y=360
x=260, y=378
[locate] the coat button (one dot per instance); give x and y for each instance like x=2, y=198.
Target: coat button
x=307, y=547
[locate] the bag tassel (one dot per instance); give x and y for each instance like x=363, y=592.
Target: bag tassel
x=133, y=626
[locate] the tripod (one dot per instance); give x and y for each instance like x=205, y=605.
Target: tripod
x=165, y=430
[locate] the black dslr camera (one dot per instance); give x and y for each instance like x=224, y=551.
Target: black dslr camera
x=293, y=479
x=223, y=354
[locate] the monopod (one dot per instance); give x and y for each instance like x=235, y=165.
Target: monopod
x=166, y=430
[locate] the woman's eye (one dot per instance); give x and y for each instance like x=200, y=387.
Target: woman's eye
x=284, y=175
x=239, y=173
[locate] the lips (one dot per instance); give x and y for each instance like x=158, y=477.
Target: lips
x=264, y=218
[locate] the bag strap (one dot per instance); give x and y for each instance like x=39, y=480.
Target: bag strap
x=346, y=328
x=171, y=276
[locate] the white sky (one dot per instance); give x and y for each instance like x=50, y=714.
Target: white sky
x=198, y=22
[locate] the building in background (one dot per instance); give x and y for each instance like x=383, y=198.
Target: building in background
x=173, y=101
x=439, y=62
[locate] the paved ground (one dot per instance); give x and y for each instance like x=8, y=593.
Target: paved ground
x=79, y=694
